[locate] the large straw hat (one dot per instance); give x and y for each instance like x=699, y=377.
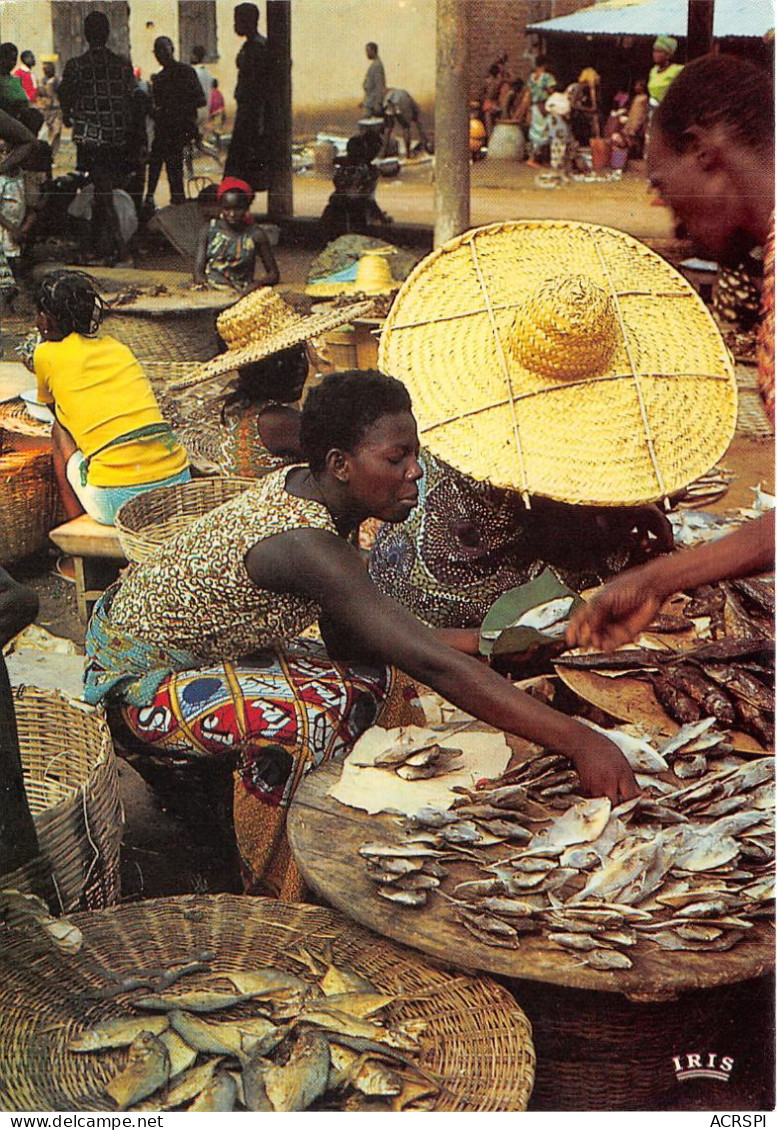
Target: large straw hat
x=261, y=324
x=562, y=359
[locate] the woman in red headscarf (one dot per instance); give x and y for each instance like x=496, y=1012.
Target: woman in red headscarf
x=233, y=253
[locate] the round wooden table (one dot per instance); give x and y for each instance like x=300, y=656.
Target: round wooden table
x=604, y=1040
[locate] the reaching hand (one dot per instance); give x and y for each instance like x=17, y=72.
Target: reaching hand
x=615, y=615
x=603, y=770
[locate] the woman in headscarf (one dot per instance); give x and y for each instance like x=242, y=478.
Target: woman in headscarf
x=539, y=85
x=664, y=71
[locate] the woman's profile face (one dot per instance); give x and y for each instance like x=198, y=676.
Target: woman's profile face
x=383, y=469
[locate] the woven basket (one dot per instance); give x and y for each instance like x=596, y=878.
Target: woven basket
x=477, y=1038
x=154, y=339
x=27, y=497
x=72, y=784
x=147, y=522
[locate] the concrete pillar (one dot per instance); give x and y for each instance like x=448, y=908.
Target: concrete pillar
x=280, y=198
x=701, y=14
x=451, y=122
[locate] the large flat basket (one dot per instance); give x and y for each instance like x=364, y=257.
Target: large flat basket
x=477, y=1038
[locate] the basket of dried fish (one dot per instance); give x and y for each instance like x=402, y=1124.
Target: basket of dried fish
x=72, y=784
x=729, y=677
x=226, y=1002
x=146, y=523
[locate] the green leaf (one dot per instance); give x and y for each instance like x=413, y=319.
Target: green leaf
x=511, y=605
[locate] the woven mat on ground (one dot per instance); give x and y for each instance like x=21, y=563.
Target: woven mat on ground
x=154, y=339
x=751, y=417
x=476, y=1037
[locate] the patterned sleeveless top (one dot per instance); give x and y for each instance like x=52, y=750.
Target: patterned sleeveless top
x=196, y=594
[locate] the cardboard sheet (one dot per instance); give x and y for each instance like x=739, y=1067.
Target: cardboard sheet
x=485, y=754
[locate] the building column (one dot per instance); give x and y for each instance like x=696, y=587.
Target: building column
x=701, y=15
x=280, y=197
x=451, y=122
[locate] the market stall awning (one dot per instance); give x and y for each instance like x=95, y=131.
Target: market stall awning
x=733, y=19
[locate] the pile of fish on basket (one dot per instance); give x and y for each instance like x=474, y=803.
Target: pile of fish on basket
x=308, y=1044
x=730, y=678
x=681, y=867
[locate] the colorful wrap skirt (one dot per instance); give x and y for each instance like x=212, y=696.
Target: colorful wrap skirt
x=270, y=719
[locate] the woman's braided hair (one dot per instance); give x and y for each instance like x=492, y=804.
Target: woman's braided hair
x=72, y=299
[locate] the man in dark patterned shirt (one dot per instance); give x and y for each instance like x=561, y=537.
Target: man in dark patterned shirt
x=96, y=99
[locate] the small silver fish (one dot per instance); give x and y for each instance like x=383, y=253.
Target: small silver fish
x=608, y=959
x=404, y=898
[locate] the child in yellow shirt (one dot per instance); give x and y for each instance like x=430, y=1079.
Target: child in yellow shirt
x=109, y=440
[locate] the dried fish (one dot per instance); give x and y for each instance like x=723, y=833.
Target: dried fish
x=301, y=1080
x=608, y=959
x=404, y=898
x=202, y=1001
x=573, y=941
x=218, y=1095
x=227, y=1037
x=685, y=736
x=117, y=1032
x=181, y=1055
x=582, y=823
x=689, y=767
x=191, y=1082
x=678, y=705
x=396, y=851
x=148, y=1069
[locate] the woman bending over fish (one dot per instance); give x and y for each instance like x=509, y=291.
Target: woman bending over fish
x=198, y=647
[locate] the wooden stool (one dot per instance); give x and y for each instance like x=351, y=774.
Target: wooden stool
x=88, y=542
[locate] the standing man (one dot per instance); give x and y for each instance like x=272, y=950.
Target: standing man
x=248, y=150
x=25, y=76
x=374, y=84
x=95, y=95
x=176, y=94
x=48, y=103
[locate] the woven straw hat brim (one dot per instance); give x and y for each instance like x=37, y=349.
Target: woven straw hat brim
x=662, y=413
x=305, y=328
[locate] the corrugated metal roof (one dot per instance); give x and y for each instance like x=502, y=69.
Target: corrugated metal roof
x=733, y=18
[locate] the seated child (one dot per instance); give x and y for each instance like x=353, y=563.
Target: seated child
x=233, y=253
x=109, y=440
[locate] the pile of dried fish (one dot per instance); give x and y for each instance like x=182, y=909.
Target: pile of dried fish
x=130, y=294
x=685, y=866
x=281, y=1043
x=417, y=759
x=730, y=679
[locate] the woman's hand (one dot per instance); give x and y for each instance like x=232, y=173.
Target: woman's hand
x=603, y=770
